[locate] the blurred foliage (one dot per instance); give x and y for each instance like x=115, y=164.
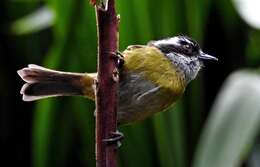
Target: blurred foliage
x=39, y=20
x=61, y=34
x=233, y=124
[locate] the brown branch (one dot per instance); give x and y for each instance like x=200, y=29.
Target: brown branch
x=106, y=100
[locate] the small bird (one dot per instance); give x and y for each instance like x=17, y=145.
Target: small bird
x=152, y=78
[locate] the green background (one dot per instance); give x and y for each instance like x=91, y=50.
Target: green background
x=60, y=131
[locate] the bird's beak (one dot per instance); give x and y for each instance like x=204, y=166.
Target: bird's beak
x=205, y=56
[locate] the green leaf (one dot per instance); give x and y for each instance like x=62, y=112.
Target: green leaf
x=196, y=15
x=233, y=123
x=252, y=49
x=37, y=21
x=170, y=137
x=42, y=132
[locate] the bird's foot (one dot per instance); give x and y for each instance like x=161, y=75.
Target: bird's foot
x=116, y=138
x=119, y=58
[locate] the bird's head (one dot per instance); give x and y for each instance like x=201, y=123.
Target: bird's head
x=185, y=54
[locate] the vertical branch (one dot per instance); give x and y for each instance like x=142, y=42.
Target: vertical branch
x=106, y=100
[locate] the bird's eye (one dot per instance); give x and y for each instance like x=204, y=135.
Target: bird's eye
x=188, y=49
x=187, y=46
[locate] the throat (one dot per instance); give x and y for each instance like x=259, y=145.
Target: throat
x=188, y=67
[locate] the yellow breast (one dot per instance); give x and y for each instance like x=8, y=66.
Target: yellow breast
x=155, y=66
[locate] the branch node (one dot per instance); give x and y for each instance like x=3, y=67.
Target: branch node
x=100, y=4
x=118, y=17
x=95, y=86
x=115, y=75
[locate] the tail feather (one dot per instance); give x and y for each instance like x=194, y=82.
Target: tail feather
x=42, y=83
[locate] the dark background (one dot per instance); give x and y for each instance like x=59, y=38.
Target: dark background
x=60, y=132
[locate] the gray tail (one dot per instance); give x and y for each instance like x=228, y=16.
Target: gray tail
x=42, y=83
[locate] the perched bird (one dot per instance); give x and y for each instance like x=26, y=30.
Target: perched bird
x=152, y=78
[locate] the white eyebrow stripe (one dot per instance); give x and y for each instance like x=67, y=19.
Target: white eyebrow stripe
x=172, y=41
x=169, y=41
x=187, y=40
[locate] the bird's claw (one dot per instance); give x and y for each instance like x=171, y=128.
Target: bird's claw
x=119, y=57
x=115, y=138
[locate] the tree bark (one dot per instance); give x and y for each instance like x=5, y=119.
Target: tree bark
x=107, y=84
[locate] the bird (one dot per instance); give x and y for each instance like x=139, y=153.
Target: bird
x=151, y=79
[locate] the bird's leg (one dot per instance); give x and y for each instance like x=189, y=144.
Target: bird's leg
x=115, y=138
x=119, y=58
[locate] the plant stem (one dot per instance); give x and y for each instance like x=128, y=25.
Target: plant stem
x=106, y=95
